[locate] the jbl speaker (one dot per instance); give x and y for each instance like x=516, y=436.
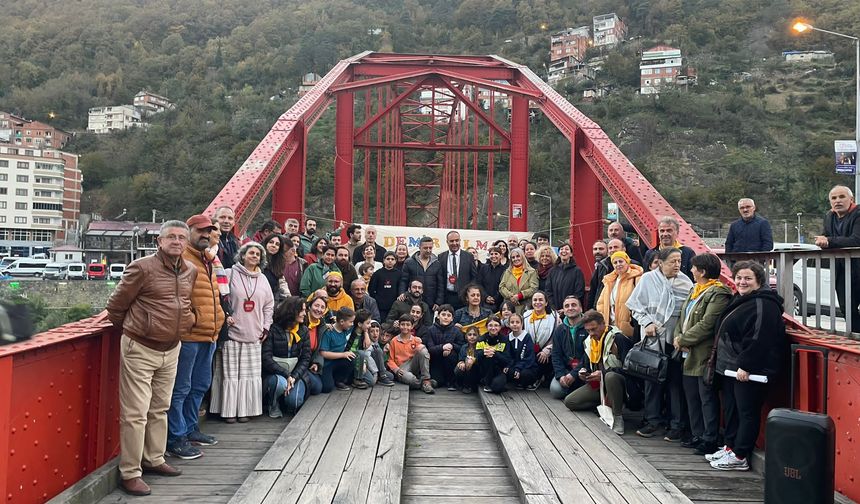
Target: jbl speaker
x=800, y=456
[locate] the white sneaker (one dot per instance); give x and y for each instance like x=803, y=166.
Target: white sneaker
x=717, y=455
x=731, y=463
x=618, y=425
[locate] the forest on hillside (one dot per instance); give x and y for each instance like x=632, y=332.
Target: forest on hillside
x=232, y=67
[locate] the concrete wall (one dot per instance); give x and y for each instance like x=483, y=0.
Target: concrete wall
x=61, y=294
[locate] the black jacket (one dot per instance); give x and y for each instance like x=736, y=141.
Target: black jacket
x=467, y=273
x=522, y=354
x=568, y=351
x=596, y=284
x=754, y=235
x=277, y=345
x=848, y=235
x=501, y=359
x=358, y=253
x=751, y=334
x=403, y=307
x=489, y=277
x=228, y=247
x=412, y=270
x=439, y=335
x=384, y=287
x=564, y=280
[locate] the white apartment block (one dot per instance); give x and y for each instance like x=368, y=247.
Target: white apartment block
x=660, y=66
x=40, y=195
x=114, y=118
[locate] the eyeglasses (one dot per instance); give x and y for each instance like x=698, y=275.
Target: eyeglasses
x=173, y=237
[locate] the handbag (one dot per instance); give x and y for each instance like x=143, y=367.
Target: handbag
x=605, y=412
x=645, y=363
x=288, y=363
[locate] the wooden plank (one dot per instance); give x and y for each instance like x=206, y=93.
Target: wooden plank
x=667, y=492
x=282, y=449
x=564, y=481
x=419, y=424
x=322, y=485
x=422, y=433
x=388, y=466
x=530, y=478
x=454, y=418
x=255, y=488
x=632, y=489
x=541, y=499
x=604, y=493
x=410, y=472
x=298, y=469
x=436, y=485
x=489, y=462
x=437, y=452
x=355, y=480
x=573, y=454
x=444, y=499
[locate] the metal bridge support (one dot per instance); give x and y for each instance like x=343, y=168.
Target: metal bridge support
x=519, y=174
x=586, y=206
x=343, y=161
x=288, y=195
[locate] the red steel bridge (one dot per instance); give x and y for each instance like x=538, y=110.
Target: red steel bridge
x=421, y=140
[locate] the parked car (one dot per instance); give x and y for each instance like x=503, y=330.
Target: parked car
x=96, y=271
x=115, y=271
x=56, y=271
x=76, y=271
x=26, y=267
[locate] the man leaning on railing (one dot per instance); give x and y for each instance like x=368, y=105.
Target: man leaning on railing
x=841, y=230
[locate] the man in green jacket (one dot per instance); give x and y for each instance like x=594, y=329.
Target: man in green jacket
x=694, y=336
x=314, y=276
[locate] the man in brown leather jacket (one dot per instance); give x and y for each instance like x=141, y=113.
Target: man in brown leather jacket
x=152, y=305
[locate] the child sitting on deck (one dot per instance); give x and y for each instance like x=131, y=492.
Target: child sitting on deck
x=523, y=370
x=467, y=370
x=337, y=369
x=444, y=340
x=493, y=358
x=408, y=356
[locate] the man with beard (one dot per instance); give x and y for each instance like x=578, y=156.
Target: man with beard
x=194, y=369
x=353, y=234
x=415, y=296
x=668, y=228
x=337, y=297
x=314, y=276
x=346, y=268
x=601, y=269
x=228, y=244
x=309, y=236
x=616, y=230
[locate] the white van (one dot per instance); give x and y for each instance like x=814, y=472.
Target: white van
x=115, y=271
x=27, y=267
x=56, y=271
x=77, y=271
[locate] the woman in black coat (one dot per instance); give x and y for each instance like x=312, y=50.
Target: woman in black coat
x=565, y=279
x=286, y=355
x=750, y=341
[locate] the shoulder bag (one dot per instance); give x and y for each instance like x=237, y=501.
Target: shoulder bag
x=646, y=363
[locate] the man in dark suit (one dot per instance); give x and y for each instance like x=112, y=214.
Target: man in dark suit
x=457, y=269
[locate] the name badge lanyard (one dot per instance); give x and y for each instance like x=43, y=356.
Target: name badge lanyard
x=249, y=304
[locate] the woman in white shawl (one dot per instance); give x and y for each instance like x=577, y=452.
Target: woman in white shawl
x=656, y=305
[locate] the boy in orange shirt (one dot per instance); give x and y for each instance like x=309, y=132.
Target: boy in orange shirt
x=407, y=355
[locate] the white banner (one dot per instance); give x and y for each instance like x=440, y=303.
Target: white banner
x=391, y=236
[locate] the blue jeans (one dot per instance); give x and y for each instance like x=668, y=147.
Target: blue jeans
x=276, y=385
x=315, y=385
x=193, y=377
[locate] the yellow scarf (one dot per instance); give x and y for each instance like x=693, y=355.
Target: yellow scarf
x=312, y=323
x=698, y=289
x=676, y=245
x=517, y=271
x=294, y=334
x=535, y=317
x=595, y=349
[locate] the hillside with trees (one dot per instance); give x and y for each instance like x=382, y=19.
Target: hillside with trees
x=233, y=67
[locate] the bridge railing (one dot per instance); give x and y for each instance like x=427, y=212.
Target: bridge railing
x=806, y=280
x=59, y=409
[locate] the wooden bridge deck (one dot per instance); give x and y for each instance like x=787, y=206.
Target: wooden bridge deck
x=391, y=445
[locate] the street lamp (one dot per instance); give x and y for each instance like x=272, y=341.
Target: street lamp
x=134, y=232
x=801, y=27
x=550, y=211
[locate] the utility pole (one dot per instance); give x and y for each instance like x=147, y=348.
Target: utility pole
x=785, y=223
x=799, y=226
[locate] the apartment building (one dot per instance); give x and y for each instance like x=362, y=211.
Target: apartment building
x=608, y=30
x=31, y=134
x=569, y=43
x=113, y=118
x=150, y=103
x=660, y=66
x=40, y=198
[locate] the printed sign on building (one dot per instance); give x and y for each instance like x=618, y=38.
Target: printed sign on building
x=846, y=156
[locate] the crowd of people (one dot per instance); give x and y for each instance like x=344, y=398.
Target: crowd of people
x=262, y=325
